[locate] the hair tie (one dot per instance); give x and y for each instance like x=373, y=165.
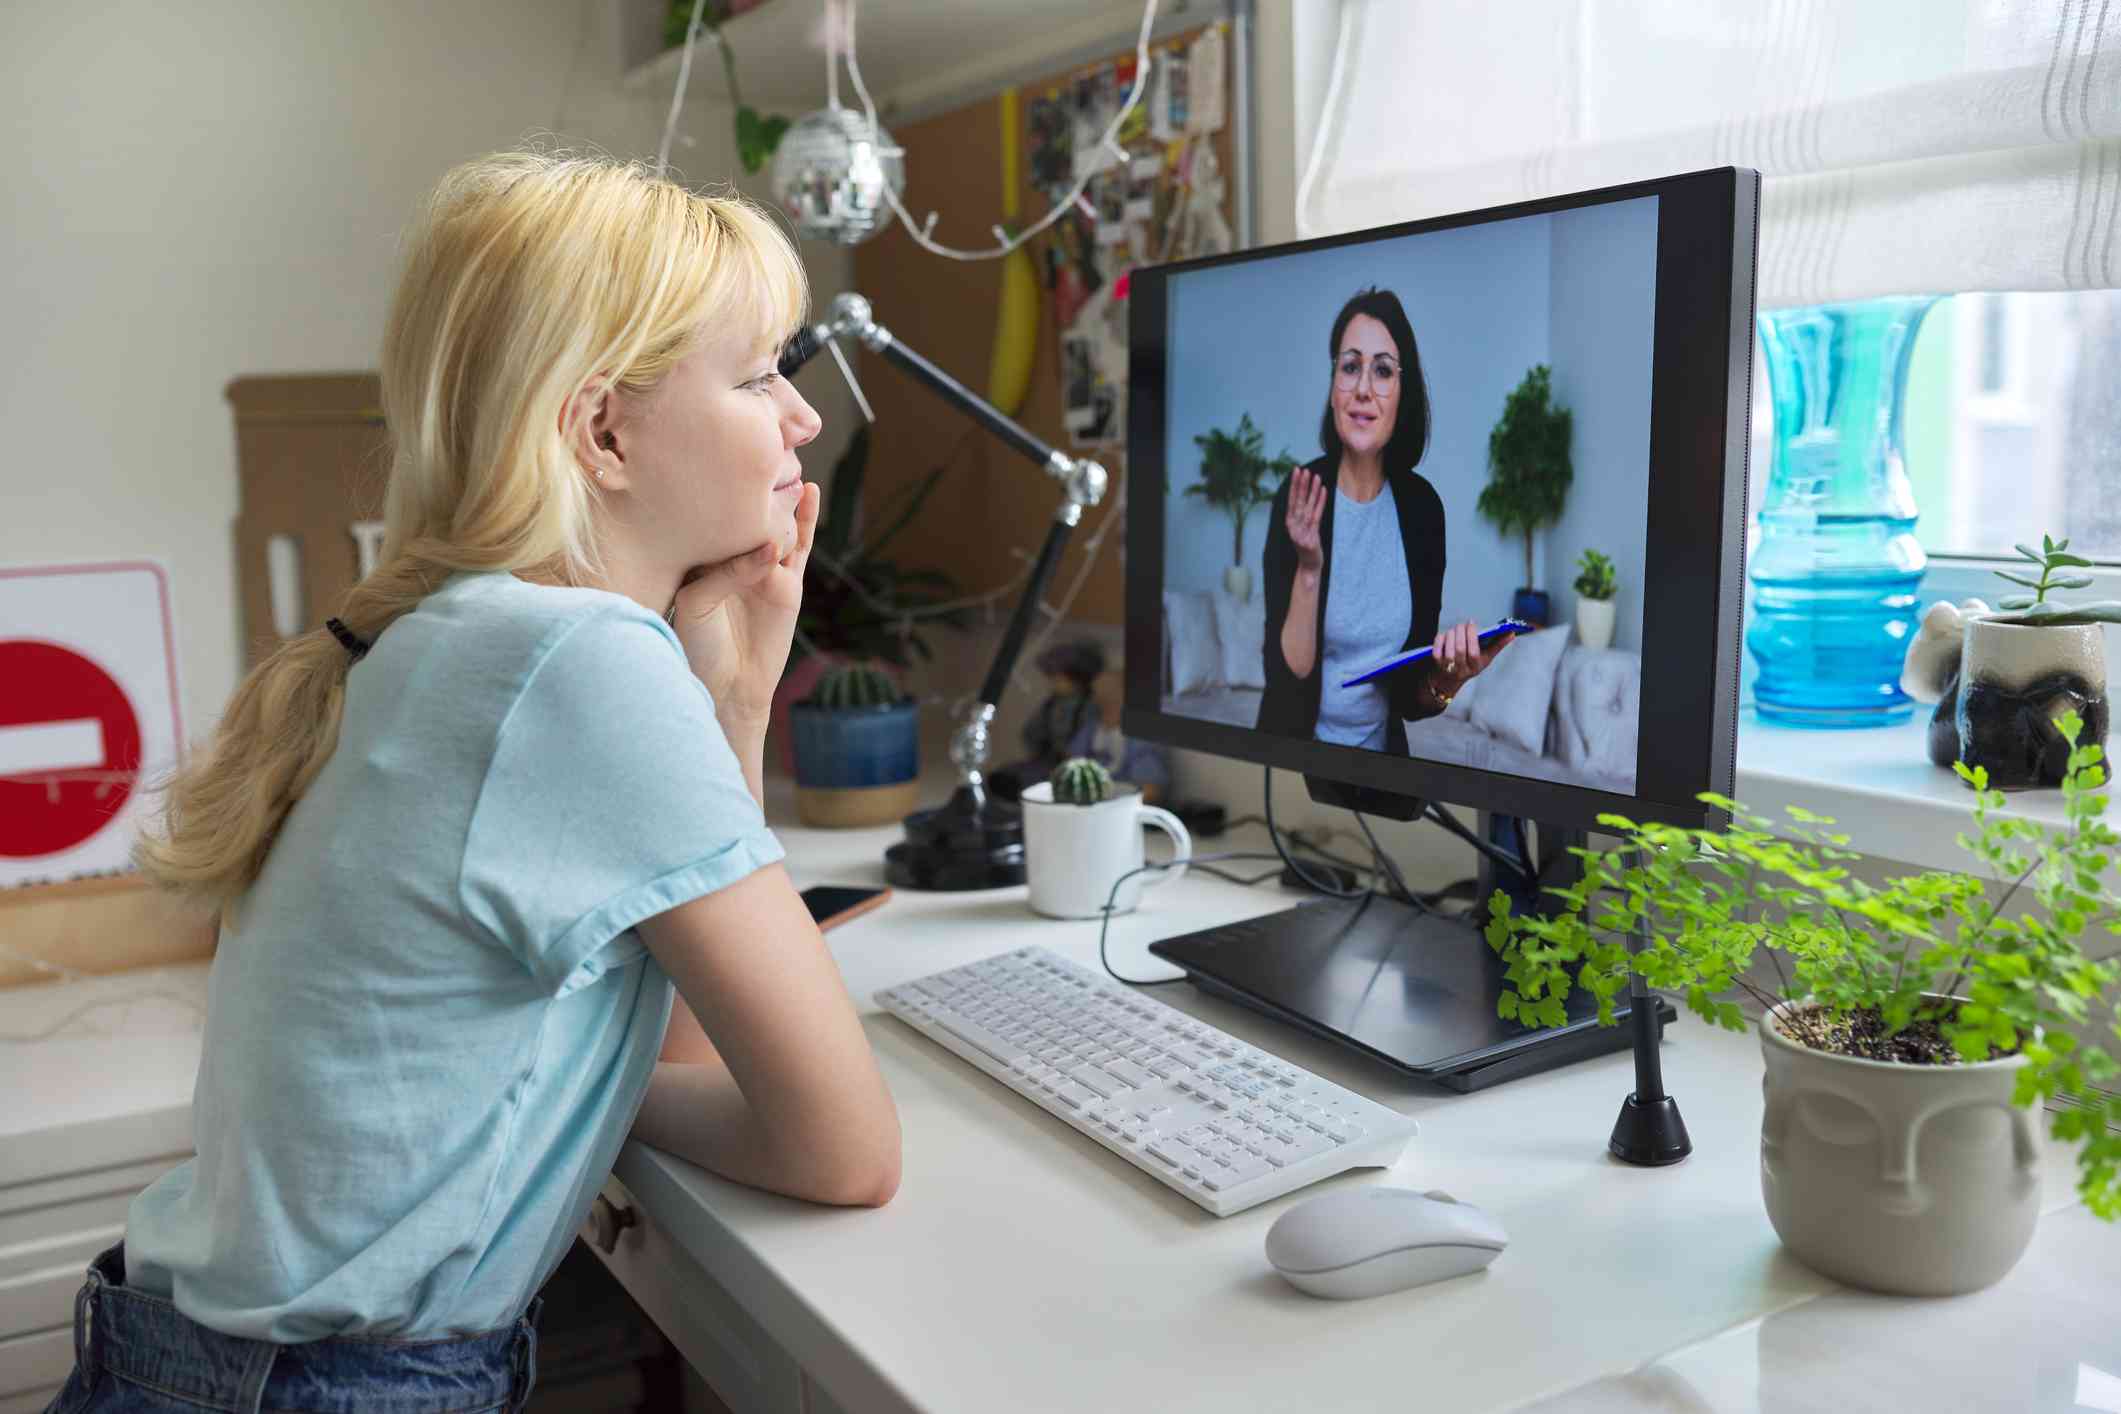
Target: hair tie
x=352, y=641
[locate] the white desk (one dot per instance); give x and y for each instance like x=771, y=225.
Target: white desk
x=1023, y=1268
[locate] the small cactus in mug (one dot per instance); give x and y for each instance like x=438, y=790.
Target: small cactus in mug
x=854, y=688
x=1080, y=781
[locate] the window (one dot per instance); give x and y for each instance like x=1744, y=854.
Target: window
x=2012, y=428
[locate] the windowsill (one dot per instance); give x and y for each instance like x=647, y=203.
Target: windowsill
x=1878, y=786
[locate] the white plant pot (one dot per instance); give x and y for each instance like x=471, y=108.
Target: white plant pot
x=1922, y=1180
x=2014, y=680
x=1594, y=622
x=1237, y=583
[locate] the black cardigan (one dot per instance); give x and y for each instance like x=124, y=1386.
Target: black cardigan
x=1289, y=706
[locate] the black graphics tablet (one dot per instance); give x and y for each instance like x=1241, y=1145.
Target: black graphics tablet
x=1413, y=990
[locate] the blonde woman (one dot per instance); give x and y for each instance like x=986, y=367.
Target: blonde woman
x=461, y=845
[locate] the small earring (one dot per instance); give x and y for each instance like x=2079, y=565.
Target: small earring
x=600, y=473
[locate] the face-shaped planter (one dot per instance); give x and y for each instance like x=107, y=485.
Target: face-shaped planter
x=1999, y=686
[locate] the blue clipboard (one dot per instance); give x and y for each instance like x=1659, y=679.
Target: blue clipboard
x=1392, y=665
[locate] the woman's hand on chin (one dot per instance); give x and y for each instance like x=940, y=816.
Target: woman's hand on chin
x=737, y=618
x=1461, y=656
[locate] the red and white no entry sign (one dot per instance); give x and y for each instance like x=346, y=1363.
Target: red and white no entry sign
x=88, y=714
x=69, y=748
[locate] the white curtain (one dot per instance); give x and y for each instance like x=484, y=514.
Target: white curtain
x=1906, y=146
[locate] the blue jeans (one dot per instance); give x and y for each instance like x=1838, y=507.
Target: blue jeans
x=136, y=1352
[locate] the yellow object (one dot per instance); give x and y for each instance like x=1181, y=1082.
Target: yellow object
x=1016, y=311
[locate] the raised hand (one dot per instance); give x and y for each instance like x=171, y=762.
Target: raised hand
x=737, y=618
x=1307, y=504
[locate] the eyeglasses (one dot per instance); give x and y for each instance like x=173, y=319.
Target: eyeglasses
x=1347, y=371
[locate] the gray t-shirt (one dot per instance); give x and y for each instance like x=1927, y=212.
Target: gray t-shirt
x=1369, y=610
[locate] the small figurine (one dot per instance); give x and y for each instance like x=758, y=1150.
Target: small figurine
x=1070, y=669
x=1137, y=763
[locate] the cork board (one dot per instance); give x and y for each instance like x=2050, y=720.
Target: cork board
x=991, y=501
x=312, y=460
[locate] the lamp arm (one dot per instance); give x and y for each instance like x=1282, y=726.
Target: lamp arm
x=1083, y=482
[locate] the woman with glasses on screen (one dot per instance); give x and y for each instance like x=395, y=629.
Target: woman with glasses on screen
x=1355, y=553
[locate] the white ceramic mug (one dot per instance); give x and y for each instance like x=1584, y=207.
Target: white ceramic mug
x=1073, y=853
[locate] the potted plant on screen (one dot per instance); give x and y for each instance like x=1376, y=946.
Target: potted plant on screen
x=1236, y=478
x=1998, y=678
x=1913, y=1027
x=1596, y=584
x=1529, y=472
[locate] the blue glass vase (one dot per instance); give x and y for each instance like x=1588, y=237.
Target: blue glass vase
x=1836, y=566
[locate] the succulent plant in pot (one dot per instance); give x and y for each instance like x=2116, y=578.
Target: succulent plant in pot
x=857, y=749
x=1083, y=842
x=2001, y=679
x=859, y=606
x=1080, y=781
x=1596, y=586
x=1912, y=1029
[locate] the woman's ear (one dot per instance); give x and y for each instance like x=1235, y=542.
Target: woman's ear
x=596, y=442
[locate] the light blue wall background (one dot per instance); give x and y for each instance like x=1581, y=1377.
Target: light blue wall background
x=1483, y=302
x=1604, y=285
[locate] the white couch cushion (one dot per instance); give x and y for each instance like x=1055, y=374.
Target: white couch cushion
x=1190, y=637
x=1241, y=624
x=1597, y=710
x=1518, y=688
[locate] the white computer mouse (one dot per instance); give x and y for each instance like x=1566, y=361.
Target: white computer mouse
x=1368, y=1241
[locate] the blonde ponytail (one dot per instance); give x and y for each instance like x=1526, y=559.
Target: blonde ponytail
x=527, y=276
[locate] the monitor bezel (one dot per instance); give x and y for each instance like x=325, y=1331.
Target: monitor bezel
x=1700, y=400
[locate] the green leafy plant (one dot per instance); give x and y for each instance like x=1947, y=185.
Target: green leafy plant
x=1595, y=578
x=1925, y=968
x=1080, y=781
x=856, y=603
x=757, y=134
x=2057, y=571
x=1237, y=476
x=856, y=687
x=1529, y=471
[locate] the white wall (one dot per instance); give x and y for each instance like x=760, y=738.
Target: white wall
x=199, y=191
x=1604, y=338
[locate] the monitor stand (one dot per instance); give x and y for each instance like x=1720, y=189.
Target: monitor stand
x=1413, y=989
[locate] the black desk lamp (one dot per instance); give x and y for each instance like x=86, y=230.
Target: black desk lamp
x=974, y=841
x=1649, y=1131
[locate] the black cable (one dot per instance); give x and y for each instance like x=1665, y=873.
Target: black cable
x=1105, y=922
x=1297, y=841
x=1398, y=882
x=1274, y=834
x=1450, y=822
x=1248, y=881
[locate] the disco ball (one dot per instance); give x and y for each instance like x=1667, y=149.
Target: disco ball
x=830, y=171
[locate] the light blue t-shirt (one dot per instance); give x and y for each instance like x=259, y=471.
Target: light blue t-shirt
x=1369, y=611
x=430, y=1024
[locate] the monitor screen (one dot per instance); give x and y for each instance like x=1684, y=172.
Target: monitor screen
x=1351, y=458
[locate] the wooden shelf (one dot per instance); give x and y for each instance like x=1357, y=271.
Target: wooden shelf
x=95, y=926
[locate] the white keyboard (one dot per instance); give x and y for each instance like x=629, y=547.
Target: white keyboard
x=1224, y=1123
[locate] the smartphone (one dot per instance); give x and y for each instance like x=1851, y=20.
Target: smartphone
x=833, y=904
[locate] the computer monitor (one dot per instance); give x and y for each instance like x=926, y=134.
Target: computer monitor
x=1392, y=379
x=1637, y=304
